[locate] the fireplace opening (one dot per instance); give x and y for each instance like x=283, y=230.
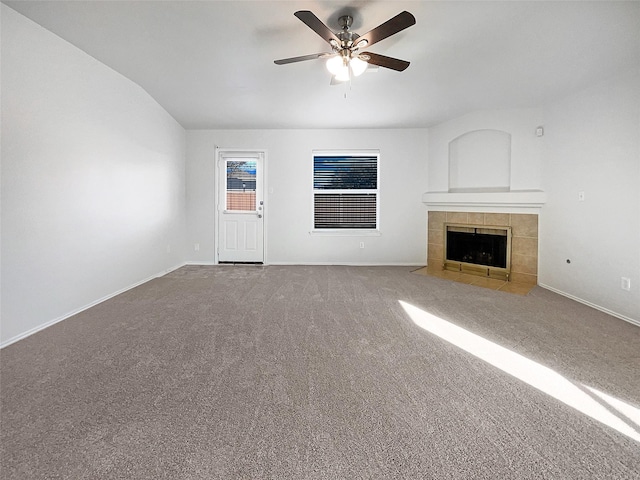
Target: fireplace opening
x=478, y=249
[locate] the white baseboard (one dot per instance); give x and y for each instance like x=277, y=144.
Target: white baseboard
x=592, y=305
x=351, y=264
x=348, y=264
x=8, y=342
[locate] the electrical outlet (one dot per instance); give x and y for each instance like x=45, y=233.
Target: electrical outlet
x=581, y=196
x=625, y=283
x=196, y=247
x=361, y=244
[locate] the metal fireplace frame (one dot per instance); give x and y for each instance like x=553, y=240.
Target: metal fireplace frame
x=477, y=268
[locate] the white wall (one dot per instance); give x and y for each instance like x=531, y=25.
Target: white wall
x=289, y=208
x=93, y=177
x=525, y=146
x=592, y=145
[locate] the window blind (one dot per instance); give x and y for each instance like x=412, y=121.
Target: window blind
x=345, y=191
x=345, y=210
x=345, y=173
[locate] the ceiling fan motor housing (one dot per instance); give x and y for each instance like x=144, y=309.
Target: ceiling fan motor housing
x=347, y=37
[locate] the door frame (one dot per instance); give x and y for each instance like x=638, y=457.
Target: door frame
x=251, y=152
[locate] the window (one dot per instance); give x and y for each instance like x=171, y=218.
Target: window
x=241, y=184
x=345, y=191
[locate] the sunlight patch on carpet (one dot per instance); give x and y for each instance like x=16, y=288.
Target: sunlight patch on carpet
x=598, y=406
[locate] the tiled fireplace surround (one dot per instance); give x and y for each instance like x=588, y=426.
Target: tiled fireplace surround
x=524, y=240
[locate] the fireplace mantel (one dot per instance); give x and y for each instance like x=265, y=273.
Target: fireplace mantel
x=514, y=201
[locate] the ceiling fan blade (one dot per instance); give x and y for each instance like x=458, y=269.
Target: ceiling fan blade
x=382, y=61
x=390, y=27
x=317, y=26
x=313, y=56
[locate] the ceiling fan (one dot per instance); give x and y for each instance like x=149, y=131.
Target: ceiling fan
x=346, y=58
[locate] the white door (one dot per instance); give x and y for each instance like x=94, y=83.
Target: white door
x=240, y=207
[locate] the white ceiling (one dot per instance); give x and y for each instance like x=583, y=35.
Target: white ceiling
x=210, y=63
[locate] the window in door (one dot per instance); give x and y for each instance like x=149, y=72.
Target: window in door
x=345, y=191
x=241, y=185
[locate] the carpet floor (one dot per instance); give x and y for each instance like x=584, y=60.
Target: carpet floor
x=315, y=372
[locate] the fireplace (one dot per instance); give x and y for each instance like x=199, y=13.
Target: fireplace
x=522, y=251
x=478, y=249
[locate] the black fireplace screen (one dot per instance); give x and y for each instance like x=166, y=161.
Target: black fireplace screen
x=478, y=248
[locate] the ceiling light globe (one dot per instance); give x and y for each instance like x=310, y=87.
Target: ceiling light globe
x=343, y=74
x=358, y=66
x=335, y=64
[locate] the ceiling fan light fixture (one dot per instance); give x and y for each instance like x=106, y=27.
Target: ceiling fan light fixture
x=358, y=66
x=343, y=74
x=335, y=64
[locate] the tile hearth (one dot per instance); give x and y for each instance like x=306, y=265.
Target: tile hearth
x=518, y=288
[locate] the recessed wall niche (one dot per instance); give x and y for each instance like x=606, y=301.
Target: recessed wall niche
x=480, y=161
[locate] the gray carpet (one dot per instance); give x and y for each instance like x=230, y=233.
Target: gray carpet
x=312, y=372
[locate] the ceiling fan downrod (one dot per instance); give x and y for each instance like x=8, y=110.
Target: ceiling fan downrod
x=347, y=37
x=345, y=22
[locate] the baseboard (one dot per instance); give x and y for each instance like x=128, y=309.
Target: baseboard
x=592, y=305
x=348, y=264
x=351, y=264
x=30, y=332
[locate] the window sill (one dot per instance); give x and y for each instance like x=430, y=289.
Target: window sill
x=345, y=233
